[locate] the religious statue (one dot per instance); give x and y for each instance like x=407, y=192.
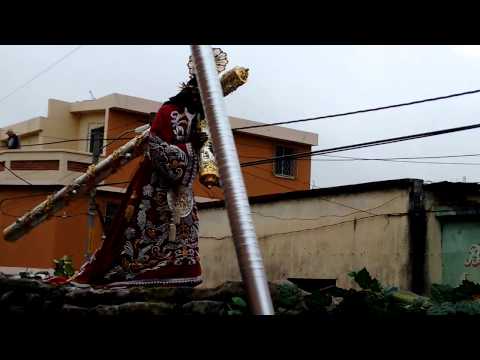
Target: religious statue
x=155, y=235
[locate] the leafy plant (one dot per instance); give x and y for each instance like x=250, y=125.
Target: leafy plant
x=237, y=306
x=467, y=290
x=64, y=266
x=288, y=296
x=318, y=301
x=365, y=281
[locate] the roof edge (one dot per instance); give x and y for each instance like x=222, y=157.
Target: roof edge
x=302, y=194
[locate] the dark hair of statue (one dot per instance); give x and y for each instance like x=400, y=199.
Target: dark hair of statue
x=189, y=97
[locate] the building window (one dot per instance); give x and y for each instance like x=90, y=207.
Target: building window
x=110, y=212
x=284, y=167
x=96, y=139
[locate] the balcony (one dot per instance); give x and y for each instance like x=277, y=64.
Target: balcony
x=43, y=167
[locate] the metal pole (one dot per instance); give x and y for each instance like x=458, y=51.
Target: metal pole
x=238, y=208
x=92, y=207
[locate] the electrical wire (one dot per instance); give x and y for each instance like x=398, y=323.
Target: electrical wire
x=391, y=159
x=363, y=145
x=309, y=229
x=471, y=92
x=118, y=138
x=348, y=158
x=3, y=212
x=66, y=141
x=326, y=216
x=48, y=68
x=16, y=175
x=325, y=225
x=321, y=198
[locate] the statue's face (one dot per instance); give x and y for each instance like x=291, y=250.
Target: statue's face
x=195, y=93
x=196, y=99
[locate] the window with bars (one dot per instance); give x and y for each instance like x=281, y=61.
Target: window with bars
x=96, y=139
x=284, y=167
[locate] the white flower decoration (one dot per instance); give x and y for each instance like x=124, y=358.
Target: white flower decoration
x=221, y=61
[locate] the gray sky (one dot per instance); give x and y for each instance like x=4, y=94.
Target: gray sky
x=286, y=83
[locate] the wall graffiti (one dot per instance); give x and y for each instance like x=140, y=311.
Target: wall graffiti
x=473, y=258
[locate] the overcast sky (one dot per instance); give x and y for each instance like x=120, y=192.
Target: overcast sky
x=286, y=83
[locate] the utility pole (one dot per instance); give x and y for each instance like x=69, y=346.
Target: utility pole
x=92, y=206
x=238, y=209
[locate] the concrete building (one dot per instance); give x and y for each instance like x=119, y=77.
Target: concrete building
x=49, y=160
x=405, y=232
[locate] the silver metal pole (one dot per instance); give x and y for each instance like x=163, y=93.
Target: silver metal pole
x=92, y=209
x=238, y=208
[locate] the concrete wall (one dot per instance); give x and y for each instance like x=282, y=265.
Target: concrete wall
x=317, y=238
x=29, y=132
x=60, y=125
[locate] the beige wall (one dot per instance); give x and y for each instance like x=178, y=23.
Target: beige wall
x=60, y=125
x=30, y=139
x=29, y=131
x=379, y=243
x=26, y=126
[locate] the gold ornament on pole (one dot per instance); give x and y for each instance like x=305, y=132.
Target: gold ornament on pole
x=231, y=80
x=208, y=169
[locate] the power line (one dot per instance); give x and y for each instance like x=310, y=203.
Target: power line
x=334, y=158
x=321, y=198
x=68, y=140
x=327, y=225
x=48, y=68
x=362, y=111
x=66, y=216
x=311, y=228
x=3, y=212
x=410, y=157
x=349, y=158
x=118, y=138
x=17, y=176
x=362, y=145
x=281, y=185
x=295, y=121
x=325, y=216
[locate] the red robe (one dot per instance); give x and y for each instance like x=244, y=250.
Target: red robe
x=154, y=237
